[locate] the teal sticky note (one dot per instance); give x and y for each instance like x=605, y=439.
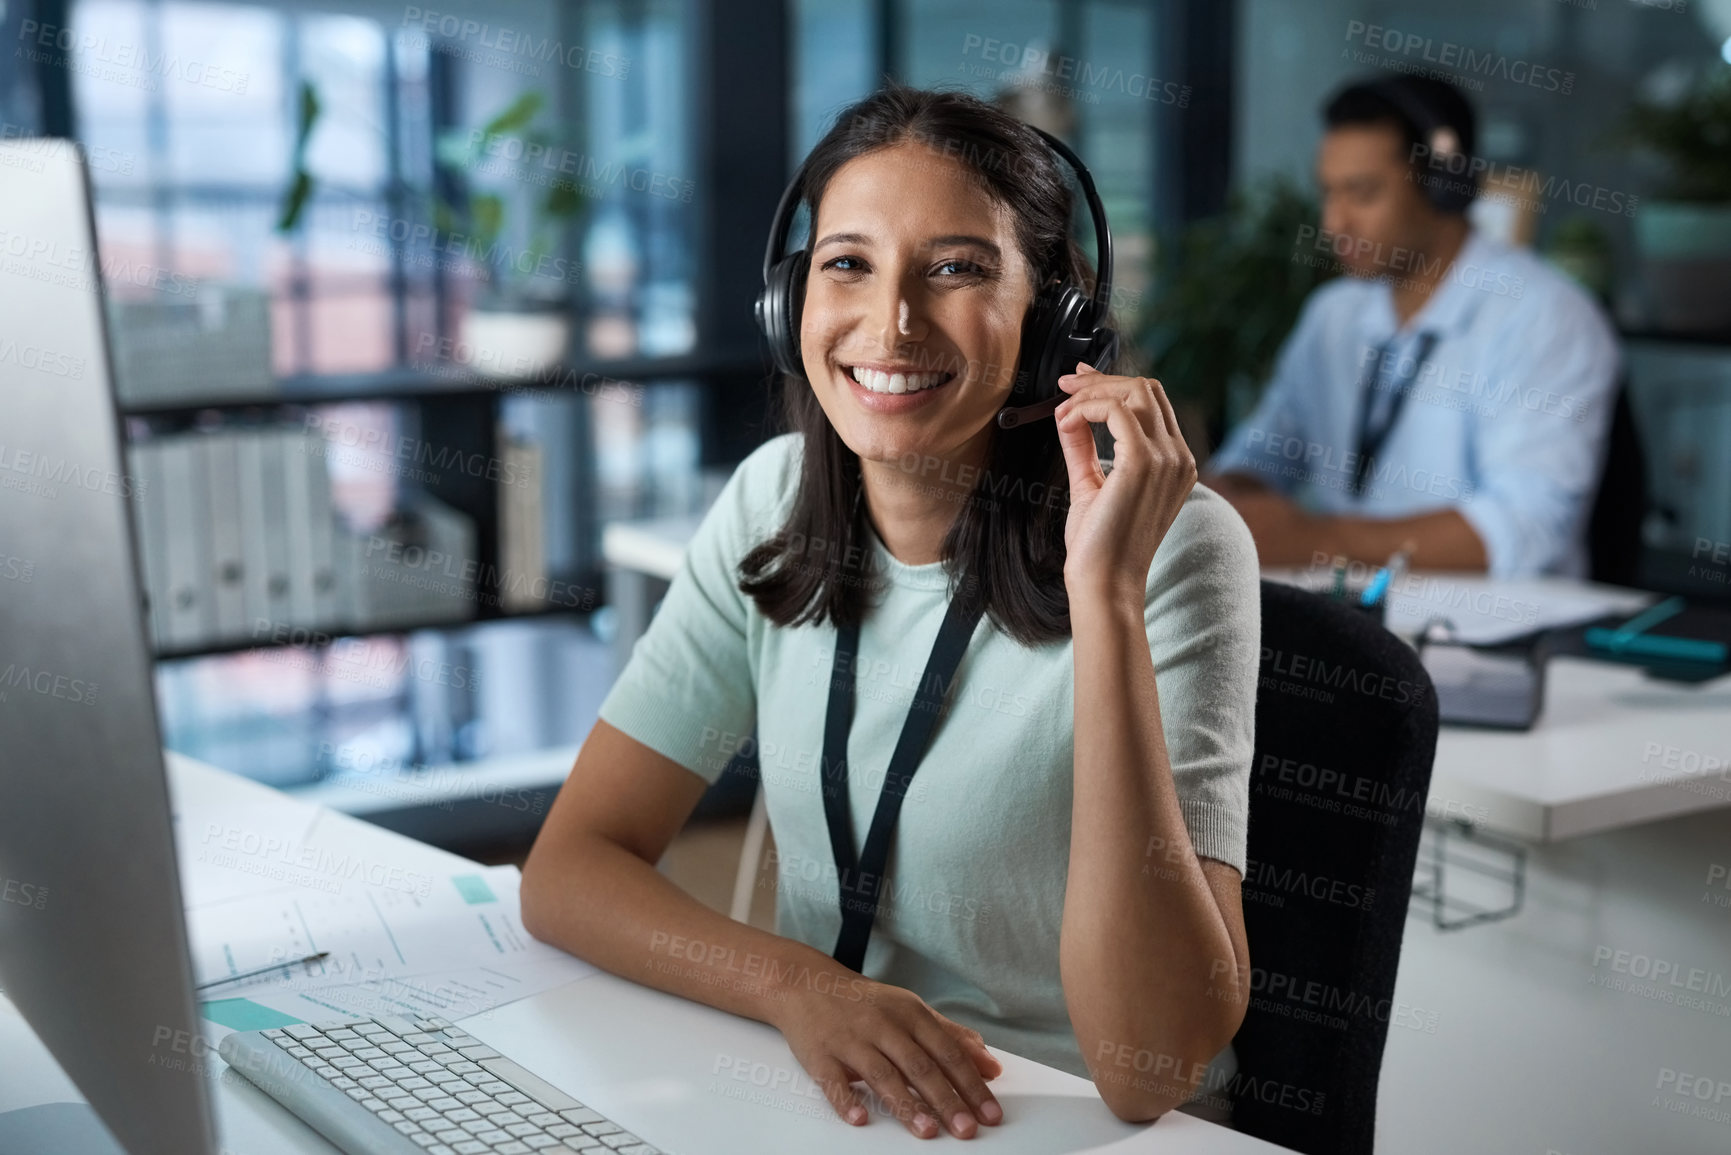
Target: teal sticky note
x=473, y=888
x=245, y=1015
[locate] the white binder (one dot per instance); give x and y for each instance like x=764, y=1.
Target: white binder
x=188, y=602
x=227, y=553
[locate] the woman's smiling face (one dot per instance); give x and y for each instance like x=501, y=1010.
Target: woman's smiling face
x=913, y=306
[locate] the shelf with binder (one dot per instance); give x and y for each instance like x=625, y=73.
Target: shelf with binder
x=243, y=546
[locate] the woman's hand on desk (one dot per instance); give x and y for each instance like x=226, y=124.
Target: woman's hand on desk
x=930, y=1072
x=1118, y=520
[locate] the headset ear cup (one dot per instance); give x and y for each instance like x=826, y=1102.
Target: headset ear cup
x=778, y=312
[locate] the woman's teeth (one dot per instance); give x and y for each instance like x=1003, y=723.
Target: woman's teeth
x=879, y=382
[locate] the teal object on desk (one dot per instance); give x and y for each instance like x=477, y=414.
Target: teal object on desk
x=1631, y=638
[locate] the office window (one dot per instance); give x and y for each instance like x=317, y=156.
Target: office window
x=1080, y=70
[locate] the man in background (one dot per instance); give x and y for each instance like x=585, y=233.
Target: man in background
x=1451, y=395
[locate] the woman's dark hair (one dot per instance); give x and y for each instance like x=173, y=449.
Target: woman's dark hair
x=1007, y=543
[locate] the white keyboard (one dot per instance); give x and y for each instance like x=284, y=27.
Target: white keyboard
x=397, y=1086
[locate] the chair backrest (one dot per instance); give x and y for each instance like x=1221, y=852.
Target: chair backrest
x=1346, y=727
x=1620, y=503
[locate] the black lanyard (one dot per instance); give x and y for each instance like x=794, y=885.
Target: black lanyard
x=859, y=878
x=1370, y=441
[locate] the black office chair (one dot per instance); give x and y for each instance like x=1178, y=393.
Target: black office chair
x=1620, y=503
x=1346, y=728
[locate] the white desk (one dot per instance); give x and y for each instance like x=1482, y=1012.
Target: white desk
x=661, y=1065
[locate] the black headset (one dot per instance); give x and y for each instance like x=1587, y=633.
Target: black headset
x=1447, y=190
x=1064, y=325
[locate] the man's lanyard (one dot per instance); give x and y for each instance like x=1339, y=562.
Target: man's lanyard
x=860, y=877
x=1371, y=439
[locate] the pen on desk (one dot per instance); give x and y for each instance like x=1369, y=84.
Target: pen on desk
x=1385, y=577
x=311, y=958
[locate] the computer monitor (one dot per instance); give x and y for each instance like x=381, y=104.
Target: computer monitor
x=93, y=947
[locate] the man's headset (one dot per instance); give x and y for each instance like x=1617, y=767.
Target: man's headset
x=1065, y=325
x=1447, y=181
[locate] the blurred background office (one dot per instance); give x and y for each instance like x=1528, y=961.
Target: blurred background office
x=432, y=326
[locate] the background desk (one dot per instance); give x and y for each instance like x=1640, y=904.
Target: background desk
x=659, y=1064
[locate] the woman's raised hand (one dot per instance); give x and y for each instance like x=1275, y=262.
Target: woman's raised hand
x=929, y=1072
x=1118, y=520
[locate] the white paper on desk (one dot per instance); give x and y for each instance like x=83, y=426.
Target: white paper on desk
x=456, y=949
x=1486, y=612
x=228, y=851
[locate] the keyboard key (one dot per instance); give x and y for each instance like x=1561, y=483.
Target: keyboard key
x=540, y=1142
x=563, y=1130
x=493, y=1086
x=481, y=1126
x=407, y=1127
x=413, y=1083
x=518, y=1130
x=418, y=1039
x=347, y=1063
x=542, y=1118
x=470, y=1096
x=432, y=1050
x=622, y=1139
x=401, y=1100
x=444, y=1103
x=440, y=1149
x=420, y=1114
x=477, y=1053
x=493, y=1137
x=425, y=1140
x=449, y=1134
x=395, y=1024
x=300, y=1052
x=395, y=1047
x=584, y=1143
x=463, y=1067
x=511, y=1149
x=513, y=1098
x=470, y=1148
x=640, y=1149
x=423, y=1066
x=368, y=1053
x=389, y=1114
x=582, y=1115
x=507, y=1119
x=602, y=1128
x=461, y=1115
x=301, y=1031
x=374, y=1082
x=490, y=1108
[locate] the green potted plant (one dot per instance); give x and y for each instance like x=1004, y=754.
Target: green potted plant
x=1683, y=236
x=1228, y=289
x=519, y=324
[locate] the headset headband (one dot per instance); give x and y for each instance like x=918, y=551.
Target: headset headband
x=790, y=197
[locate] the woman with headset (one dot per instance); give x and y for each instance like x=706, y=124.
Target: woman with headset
x=926, y=575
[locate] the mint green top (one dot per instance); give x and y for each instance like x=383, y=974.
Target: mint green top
x=973, y=897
